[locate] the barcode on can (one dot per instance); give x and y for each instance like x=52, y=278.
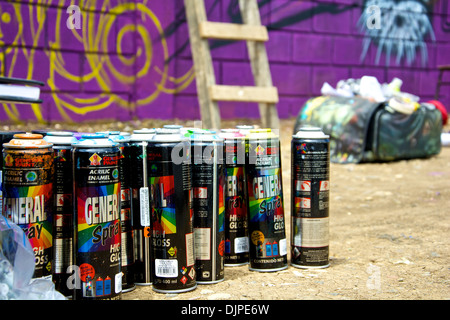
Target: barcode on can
x=145, y=207
x=241, y=245
x=166, y=268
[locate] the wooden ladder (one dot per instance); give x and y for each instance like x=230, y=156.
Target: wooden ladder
x=209, y=93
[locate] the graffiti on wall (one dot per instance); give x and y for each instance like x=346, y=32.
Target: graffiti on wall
x=139, y=67
x=121, y=54
x=400, y=27
x=397, y=28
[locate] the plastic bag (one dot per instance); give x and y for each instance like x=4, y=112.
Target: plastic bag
x=17, y=267
x=370, y=88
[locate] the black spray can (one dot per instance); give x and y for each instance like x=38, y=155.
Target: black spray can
x=127, y=259
x=62, y=208
x=310, y=185
x=140, y=206
x=171, y=213
x=268, y=245
x=97, y=235
x=236, y=217
x=208, y=179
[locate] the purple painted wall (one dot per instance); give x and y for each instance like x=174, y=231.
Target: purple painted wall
x=132, y=58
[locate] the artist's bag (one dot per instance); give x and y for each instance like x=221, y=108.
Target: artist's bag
x=364, y=131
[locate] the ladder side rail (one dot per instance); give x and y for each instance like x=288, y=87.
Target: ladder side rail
x=259, y=63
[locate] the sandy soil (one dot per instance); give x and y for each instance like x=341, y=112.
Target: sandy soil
x=389, y=235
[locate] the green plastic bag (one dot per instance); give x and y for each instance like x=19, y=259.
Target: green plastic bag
x=365, y=131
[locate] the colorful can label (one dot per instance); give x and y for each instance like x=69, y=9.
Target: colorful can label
x=28, y=194
x=310, y=185
x=268, y=245
x=236, y=218
x=171, y=213
x=97, y=236
x=208, y=179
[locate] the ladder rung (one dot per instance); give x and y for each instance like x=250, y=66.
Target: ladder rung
x=232, y=31
x=242, y=93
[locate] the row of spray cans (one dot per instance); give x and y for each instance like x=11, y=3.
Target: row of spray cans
x=186, y=220
x=168, y=207
x=163, y=210
x=235, y=204
x=206, y=201
x=65, y=194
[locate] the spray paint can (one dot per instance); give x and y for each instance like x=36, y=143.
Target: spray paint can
x=170, y=189
x=5, y=136
x=140, y=206
x=127, y=248
x=268, y=245
x=208, y=179
x=28, y=194
x=62, y=208
x=97, y=235
x=236, y=217
x=310, y=185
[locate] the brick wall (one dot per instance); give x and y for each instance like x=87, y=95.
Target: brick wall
x=132, y=58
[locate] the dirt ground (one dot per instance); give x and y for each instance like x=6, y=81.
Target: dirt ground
x=389, y=234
